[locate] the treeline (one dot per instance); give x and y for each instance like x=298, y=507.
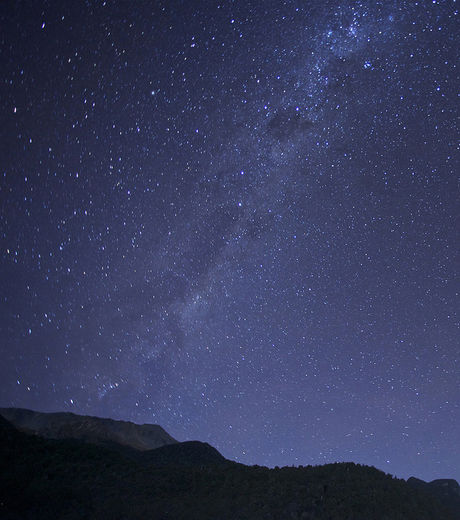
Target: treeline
x=67, y=480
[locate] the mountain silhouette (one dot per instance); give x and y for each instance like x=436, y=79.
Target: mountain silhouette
x=64, y=425
x=76, y=478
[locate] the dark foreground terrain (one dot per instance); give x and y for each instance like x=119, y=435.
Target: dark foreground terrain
x=72, y=479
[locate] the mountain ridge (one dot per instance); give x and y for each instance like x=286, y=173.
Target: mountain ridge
x=66, y=425
x=76, y=479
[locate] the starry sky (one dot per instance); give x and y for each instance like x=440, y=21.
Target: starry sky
x=238, y=220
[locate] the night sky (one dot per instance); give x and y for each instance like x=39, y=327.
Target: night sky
x=238, y=220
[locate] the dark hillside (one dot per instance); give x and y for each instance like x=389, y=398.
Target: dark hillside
x=68, y=479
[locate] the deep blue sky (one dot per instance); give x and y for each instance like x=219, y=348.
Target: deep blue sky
x=238, y=220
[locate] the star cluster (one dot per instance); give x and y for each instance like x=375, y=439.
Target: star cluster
x=238, y=220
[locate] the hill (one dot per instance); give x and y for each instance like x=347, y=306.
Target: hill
x=70, y=479
x=63, y=425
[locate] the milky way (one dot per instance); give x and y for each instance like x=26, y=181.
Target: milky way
x=238, y=220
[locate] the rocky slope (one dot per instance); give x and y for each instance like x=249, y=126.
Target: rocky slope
x=64, y=425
